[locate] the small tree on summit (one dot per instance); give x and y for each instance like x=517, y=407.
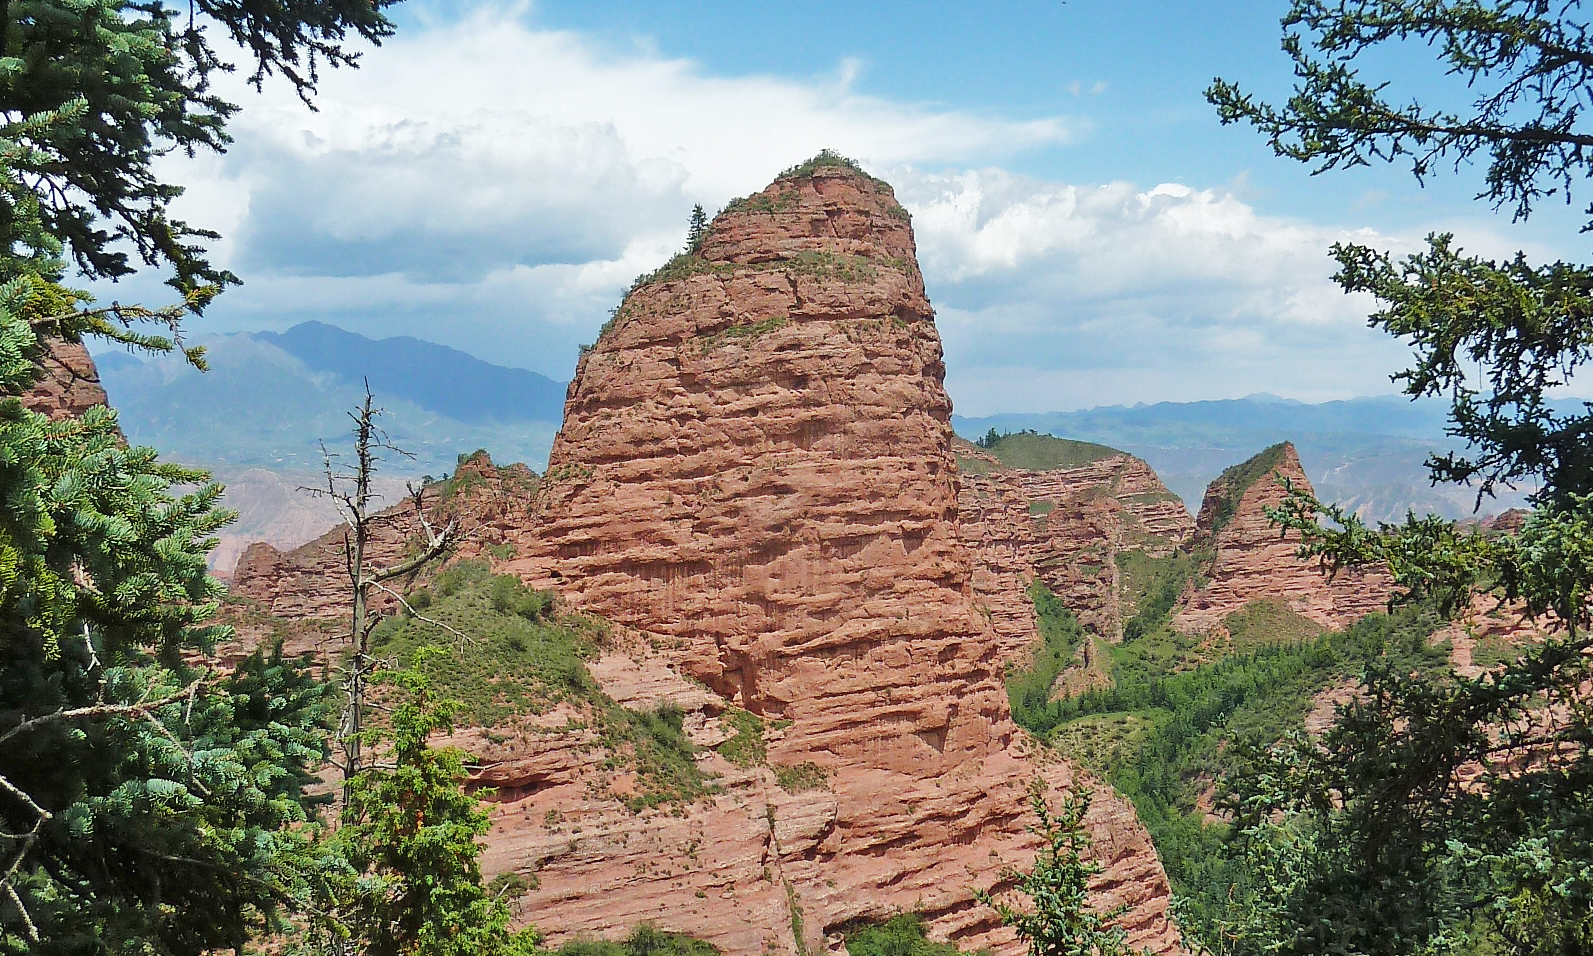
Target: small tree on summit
x=696, y=229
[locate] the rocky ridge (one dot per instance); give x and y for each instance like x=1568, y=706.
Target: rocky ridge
x=1066, y=525
x=1253, y=560
x=309, y=582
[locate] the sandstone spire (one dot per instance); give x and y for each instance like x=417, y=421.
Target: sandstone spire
x=1252, y=560
x=756, y=471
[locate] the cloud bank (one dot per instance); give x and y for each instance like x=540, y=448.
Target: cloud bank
x=495, y=186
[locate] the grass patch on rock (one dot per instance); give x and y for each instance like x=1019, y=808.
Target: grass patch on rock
x=510, y=653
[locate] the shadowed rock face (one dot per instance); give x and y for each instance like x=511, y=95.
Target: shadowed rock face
x=756, y=472
x=68, y=385
x=1254, y=561
x=1066, y=526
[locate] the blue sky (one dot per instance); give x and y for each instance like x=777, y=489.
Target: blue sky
x=494, y=176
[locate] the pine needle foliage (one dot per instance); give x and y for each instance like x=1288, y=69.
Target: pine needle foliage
x=142, y=802
x=409, y=838
x=93, y=91
x=1446, y=813
x=1062, y=922
x=146, y=805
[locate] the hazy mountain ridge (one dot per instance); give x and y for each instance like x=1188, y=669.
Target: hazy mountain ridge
x=265, y=406
x=258, y=418
x=435, y=377
x=1367, y=453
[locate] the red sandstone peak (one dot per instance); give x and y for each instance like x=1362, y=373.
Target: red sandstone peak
x=1252, y=559
x=832, y=209
x=755, y=478
x=756, y=472
x=68, y=384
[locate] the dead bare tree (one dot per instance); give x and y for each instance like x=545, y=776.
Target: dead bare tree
x=350, y=488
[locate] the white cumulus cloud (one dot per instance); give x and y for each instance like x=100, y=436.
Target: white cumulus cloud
x=493, y=185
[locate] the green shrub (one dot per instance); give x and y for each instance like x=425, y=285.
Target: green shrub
x=1029, y=688
x=514, y=658
x=901, y=935
x=1153, y=586
x=797, y=778
x=666, y=768
x=510, y=596
x=645, y=940
x=746, y=747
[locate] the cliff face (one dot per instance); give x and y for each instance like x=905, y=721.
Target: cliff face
x=1065, y=525
x=756, y=472
x=1253, y=560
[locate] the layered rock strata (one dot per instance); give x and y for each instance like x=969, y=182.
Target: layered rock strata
x=1251, y=559
x=755, y=471
x=483, y=501
x=1066, y=526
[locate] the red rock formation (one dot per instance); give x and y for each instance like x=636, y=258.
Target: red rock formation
x=998, y=530
x=1067, y=526
x=310, y=581
x=1253, y=560
x=755, y=469
x=68, y=383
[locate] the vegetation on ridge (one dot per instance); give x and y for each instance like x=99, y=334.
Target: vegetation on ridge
x=1034, y=452
x=520, y=656
x=1238, y=479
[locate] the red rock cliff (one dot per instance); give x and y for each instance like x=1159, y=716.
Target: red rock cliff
x=68, y=382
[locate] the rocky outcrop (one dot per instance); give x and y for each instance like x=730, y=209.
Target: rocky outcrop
x=1000, y=533
x=756, y=472
x=1253, y=560
x=1066, y=525
x=310, y=582
x=68, y=384
x=756, y=861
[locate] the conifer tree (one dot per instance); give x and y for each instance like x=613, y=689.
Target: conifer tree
x=413, y=887
x=1062, y=922
x=146, y=804
x=696, y=229
x=1445, y=812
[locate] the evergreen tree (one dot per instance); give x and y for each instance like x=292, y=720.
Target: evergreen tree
x=92, y=91
x=1448, y=813
x=1062, y=922
x=696, y=229
x=142, y=802
x=145, y=805
x=413, y=886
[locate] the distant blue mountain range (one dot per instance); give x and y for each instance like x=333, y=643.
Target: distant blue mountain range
x=271, y=399
x=435, y=377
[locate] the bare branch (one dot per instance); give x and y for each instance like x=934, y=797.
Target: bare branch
x=140, y=709
x=466, y=638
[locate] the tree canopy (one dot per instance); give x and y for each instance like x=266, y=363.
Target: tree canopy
x=1448, y=813
x=147, y=804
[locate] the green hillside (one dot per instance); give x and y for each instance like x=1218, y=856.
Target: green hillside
x=1033, y=452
